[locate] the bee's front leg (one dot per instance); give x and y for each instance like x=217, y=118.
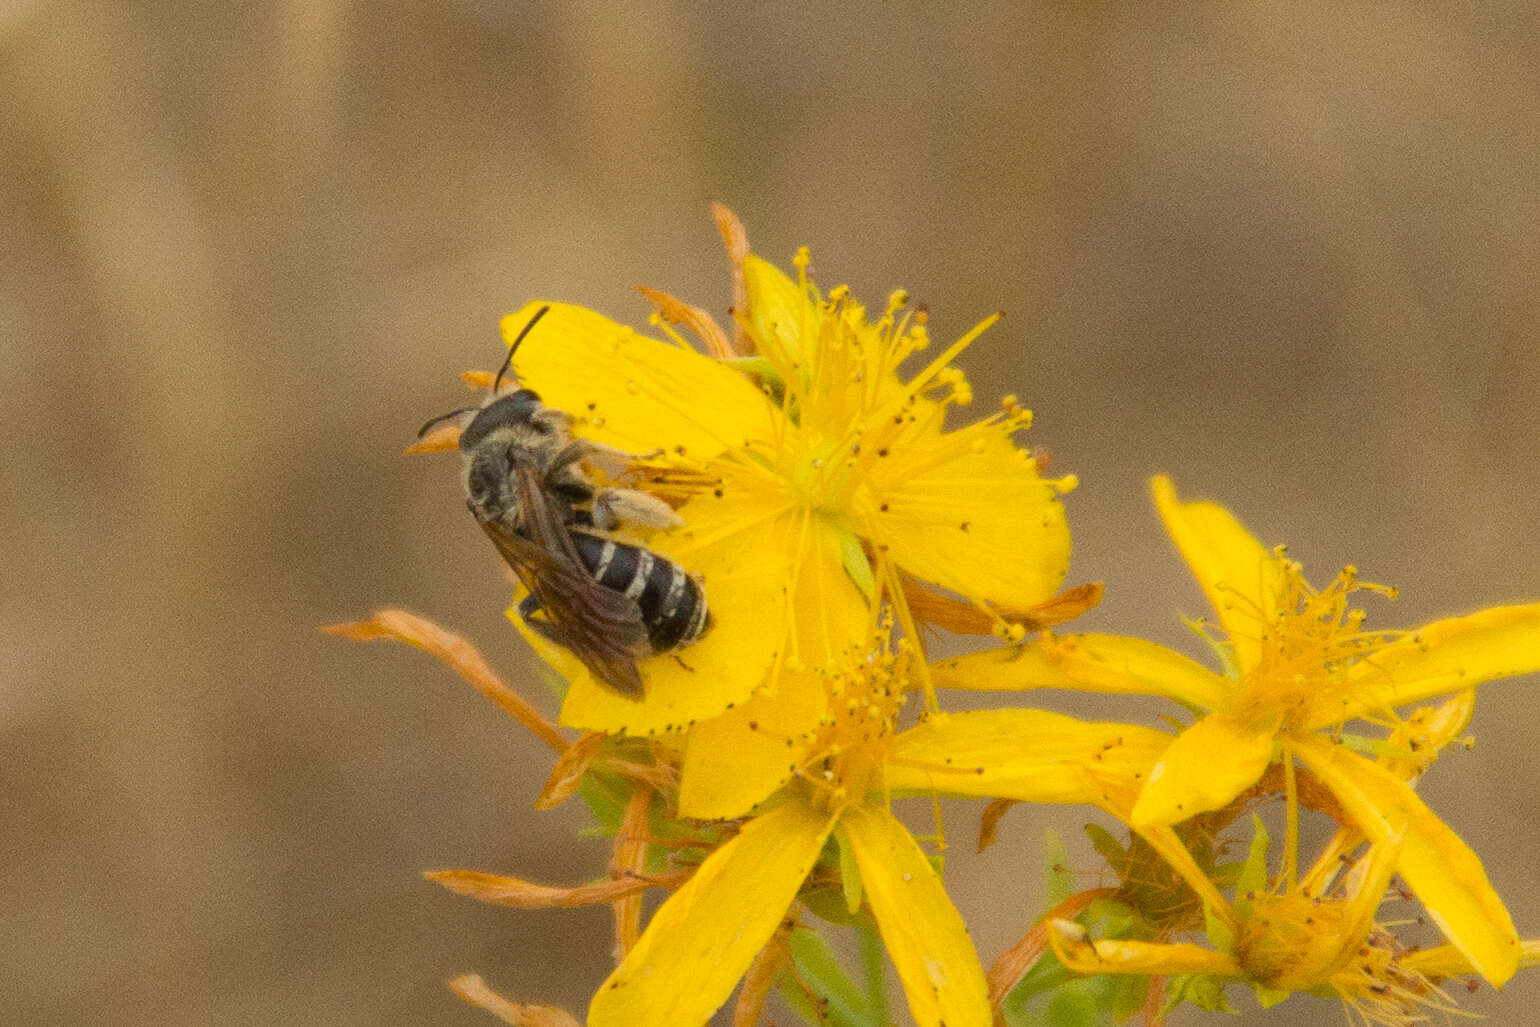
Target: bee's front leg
x=613, y=462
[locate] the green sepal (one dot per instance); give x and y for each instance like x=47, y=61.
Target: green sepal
x=606, y=796
x=850, y=871
x=1253, y=875
x=1268, y=997
x=857, y=566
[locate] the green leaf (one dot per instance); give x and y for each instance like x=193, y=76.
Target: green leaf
x=819, y=970
x=1106, y=846
x=850, y=872
x=1072, y=1007
x=1085, y=1002
x=1046, y=975
x=875, y=967
x=1203, y=990
x=1128, y=997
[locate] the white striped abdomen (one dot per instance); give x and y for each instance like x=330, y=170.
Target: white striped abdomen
x=672, y=605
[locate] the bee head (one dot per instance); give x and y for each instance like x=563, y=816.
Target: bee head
x=510, y=410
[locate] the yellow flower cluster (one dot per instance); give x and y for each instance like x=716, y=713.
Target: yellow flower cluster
x=833, y=519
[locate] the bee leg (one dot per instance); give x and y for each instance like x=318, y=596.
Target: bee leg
x=613, y=462
x=566, y=458
x=565, y=479
x=614, y=507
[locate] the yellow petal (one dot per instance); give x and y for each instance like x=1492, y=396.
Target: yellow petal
x=705, y=936
x=922, y=930
x=778, y=307
x=1243, y=581
x=1443, y=657
x=1027, y=755
x=981, y=522
x=1372, y=878
x=1111, y=956
x=734, y=761
x=633, y=392
x=1208, y=765
x=1087, y=663
x=1424, y=733
x=1164, y=840
x=743, y=575
x=1448, y=961
x=1440, y=868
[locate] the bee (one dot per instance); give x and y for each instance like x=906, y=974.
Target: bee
x=608, y=601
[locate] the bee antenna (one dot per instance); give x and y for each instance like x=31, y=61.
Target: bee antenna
x=441, y=418
x=498, y=381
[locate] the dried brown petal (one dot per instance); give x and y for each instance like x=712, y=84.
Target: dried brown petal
x=1013, y=964
x=676, y=311
x=989, y=826
x=499, y=890
x=629, y=860
x=964, y=618
x=736, y=238
x=763, y=973
x=569, y=770
x=475, y=991
x=441, y=439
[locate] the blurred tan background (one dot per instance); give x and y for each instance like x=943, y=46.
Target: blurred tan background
x=1288, y=254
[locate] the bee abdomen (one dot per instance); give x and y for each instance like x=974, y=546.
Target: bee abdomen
x=672, y=606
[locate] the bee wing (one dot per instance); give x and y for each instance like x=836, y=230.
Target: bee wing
x=602, y=627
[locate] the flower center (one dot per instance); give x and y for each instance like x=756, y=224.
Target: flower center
x=1290, y=940
x=1308, y=644
x=859, y=723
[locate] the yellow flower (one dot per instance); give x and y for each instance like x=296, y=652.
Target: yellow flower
x=1318, y=935
x=704, y=937
x=1299, y=666
x=811, y=479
